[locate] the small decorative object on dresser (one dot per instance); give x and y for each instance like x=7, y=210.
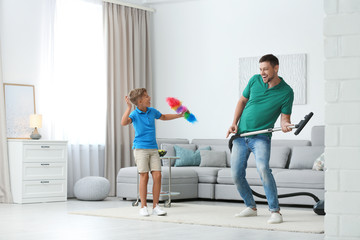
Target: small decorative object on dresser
x=38, y=170
x=35, y=122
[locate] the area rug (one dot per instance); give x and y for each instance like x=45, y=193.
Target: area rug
x=221, y=216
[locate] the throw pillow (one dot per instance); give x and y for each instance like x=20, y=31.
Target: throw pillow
x=319, y=163
x=278, y=157
x=169, y=147
x=188, y=157
x=213, y=158
x=303, y=157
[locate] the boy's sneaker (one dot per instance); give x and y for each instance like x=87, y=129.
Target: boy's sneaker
x=247, y=212
x=275, y=217
x=158, y=211
x=144, y=212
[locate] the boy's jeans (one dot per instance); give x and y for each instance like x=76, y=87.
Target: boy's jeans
x=260, y=146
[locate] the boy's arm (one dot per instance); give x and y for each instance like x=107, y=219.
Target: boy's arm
x=170, y=116
x=125, y=120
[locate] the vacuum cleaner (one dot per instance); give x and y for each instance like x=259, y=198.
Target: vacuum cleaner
x=319, y=205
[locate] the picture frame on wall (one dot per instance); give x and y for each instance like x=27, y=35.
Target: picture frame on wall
x=292, y=69
x=19, y=105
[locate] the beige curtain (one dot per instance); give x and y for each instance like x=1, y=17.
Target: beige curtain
x=128, y=67
x=5, y=192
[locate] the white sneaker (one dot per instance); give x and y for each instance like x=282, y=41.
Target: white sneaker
x=158, y=211
x=247, y=212
x=144, y=212
x=275, y=218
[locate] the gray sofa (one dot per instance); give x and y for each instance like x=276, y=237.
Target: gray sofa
x=291, y=162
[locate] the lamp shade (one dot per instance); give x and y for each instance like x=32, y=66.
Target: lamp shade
x=35, y=121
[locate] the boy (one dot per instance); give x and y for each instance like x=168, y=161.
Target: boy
x=145, y=147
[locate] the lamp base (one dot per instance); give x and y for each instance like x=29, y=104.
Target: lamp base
x=35, y=135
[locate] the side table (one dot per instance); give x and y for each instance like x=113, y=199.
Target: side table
x=169, y=193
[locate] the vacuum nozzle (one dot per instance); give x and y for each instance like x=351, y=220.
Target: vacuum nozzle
x=302, y=123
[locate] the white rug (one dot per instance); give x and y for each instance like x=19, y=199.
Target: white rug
x=222, y=216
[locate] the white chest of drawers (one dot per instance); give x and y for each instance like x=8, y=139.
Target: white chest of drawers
x=38, y=170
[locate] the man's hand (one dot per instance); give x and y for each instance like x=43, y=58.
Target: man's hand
x=286, y=123
x=232, y=129
x=285, y=127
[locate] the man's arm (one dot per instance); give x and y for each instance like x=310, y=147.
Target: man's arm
x=125, y=120
x=285, y=122
x=170, y=116
x=238, y=111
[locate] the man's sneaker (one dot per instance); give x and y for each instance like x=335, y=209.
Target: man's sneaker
x=275, y=217
x=247, y=212
x=158, y=211
x=144, y=212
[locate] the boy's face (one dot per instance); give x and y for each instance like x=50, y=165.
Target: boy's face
x=144, y=101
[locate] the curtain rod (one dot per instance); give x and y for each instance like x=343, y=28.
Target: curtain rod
x=126, y=4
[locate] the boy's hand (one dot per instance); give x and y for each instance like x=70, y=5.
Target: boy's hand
x=128, y=101
x=183, y=113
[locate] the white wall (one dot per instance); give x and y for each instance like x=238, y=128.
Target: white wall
x=342, y=118
x=196, y=47
x=20, y=35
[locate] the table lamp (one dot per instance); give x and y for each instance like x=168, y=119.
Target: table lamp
x=35, y=122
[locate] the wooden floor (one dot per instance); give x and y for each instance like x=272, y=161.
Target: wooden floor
x=52, y=221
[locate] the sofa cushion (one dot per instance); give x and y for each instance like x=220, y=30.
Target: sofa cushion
x=304, y=178
x=211, y=158
x=188, y=157
x=169, y=147
x=252, y=176
x=278, y=158
x=318, y=136
x=305, y=156
x=210, y=142
x=223, y=148
x=290, y=143
x=181, y=175
x=174, y=141
x=206, y=174
x=217, y=145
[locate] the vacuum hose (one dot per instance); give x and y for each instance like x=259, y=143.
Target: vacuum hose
x=319, y=206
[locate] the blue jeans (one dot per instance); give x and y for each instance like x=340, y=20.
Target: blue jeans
x=260, y=146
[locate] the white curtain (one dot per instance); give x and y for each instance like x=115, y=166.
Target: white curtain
x=127, y=34
x=5, y=192
x=73, y=86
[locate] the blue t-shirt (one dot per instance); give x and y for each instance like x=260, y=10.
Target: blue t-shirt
x=144, y=125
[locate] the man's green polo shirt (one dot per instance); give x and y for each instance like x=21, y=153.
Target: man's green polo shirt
x=264, y=105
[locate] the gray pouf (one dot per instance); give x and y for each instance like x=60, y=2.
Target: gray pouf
x=92, y=188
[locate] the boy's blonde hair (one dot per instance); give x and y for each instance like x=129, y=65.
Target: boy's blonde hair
x=136, y=94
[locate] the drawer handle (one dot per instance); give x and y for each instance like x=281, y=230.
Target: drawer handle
x=45, y=146
x=44, y=181
x=45, y=164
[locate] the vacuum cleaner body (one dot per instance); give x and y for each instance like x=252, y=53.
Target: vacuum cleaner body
x=319, y=206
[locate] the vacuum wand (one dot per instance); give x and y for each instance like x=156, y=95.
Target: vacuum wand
x=298, y=127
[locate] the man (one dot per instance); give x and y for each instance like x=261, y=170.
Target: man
x=265, y=97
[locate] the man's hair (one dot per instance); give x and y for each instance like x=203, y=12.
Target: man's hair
x=136, y=94
x=270, y=58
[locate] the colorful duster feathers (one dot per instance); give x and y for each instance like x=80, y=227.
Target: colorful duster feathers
x=176, y=105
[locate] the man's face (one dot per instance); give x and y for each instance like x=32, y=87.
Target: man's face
x=268, y=72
